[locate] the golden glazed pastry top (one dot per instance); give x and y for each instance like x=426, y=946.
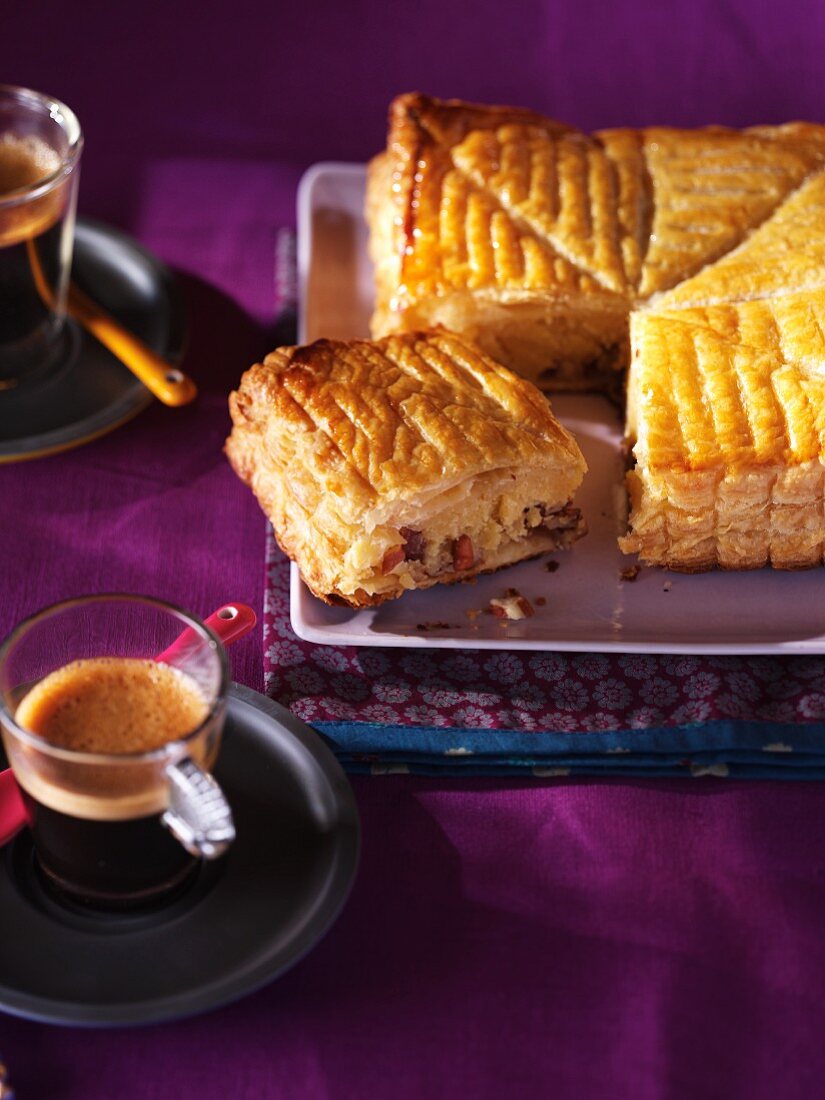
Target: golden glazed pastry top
x=435, y=230
x=785, y=254
x=396, y=417
x=733, y=387
x=506, y=202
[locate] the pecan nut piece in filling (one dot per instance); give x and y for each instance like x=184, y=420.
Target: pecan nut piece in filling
x=414, y=544
x=392, y=557
x=463, y=553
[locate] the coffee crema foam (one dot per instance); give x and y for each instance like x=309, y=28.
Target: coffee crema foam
x=110, y=705
x=25, y=162
x=113, y=705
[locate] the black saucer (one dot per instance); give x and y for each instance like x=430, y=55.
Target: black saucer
x=90, y=392
x=241, y=923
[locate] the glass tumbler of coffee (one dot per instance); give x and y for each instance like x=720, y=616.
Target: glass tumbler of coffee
x=112, y=709
x=40, y=147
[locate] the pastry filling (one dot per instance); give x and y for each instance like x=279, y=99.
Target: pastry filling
x=455, y=530
x=421, y=555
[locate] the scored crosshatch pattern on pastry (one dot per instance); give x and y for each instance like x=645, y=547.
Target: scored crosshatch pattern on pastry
x=562, y=186
x=636, y=211
x=447, y=231
x=449, y=234
x=786, y=254
x=708, y=189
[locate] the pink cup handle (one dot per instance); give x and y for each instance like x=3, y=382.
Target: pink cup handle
x=229, y=622
x=13, y=812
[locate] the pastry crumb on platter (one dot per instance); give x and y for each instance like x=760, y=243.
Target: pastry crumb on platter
x=512, y=606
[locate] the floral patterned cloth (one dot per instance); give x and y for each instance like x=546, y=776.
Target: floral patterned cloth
x=549, y=713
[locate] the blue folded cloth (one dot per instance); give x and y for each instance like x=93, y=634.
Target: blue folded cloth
x=735, y=749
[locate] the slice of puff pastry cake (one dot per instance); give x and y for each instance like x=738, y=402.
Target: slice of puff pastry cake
x=455, y=243
x=726, y=405
x=399, y=463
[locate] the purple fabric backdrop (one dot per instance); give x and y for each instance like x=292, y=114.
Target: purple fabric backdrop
x=573, y=939
x=303, y=82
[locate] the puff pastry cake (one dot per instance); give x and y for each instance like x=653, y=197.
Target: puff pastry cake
x=395, y=464
x=695, y=257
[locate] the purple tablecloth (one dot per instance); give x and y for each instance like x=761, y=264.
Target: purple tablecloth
x=575, y=938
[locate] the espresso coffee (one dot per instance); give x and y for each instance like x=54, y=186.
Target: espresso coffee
x=32, y=243
x=107, y=846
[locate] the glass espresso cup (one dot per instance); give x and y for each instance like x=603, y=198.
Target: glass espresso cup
x=115, y=824
x=40, y=147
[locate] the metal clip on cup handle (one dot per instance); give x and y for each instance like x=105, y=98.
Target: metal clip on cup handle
x=199, y=815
